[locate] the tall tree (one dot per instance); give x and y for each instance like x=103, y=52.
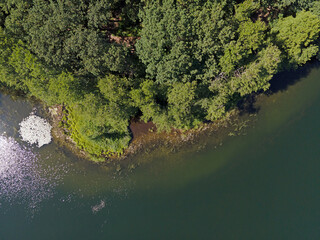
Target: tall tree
x=182, y=43
x=297, y=36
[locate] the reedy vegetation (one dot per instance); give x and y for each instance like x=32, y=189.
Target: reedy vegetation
x=177, y=63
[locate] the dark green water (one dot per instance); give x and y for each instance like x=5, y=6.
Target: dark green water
x=263, y=184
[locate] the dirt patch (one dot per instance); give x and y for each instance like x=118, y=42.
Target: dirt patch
x=127, y=41
x=140, y=128
x=146, y=141
x=265, y=14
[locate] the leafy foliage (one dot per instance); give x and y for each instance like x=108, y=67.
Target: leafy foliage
x=297, y=36
x=176, y=63
x=70, y=34
x=257, y=74
x=179, y=44
x=181, y=99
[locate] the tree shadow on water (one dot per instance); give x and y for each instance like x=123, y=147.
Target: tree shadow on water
x=281, y=81
x=247, y=105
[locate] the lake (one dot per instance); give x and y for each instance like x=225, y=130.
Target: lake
x=259, y=182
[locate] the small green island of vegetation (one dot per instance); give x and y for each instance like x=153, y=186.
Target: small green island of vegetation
x=177, y=63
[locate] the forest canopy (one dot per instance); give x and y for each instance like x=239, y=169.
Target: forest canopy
x=177, y=63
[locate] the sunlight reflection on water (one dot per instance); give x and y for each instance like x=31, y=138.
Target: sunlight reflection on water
x=22, y=178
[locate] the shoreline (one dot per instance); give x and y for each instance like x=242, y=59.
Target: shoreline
x=145, y=138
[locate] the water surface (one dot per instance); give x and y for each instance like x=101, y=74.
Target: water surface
x=262, y=183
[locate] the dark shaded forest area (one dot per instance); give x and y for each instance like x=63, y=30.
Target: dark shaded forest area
x=176, y=63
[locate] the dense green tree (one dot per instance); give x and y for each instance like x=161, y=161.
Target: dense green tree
x=193, y=60
x=213, y=29
x=217, y=106
x=297, y=36
x=74, y=35
x=181, y=100
x=148, y=97
x=315, y=8
x=67, y=33
x=181, y=43
x=164, y=42
x=288, y=6
x=256, y=75
x=13, y=13
x=239, y=52
x=244, y=10
x=116, y=91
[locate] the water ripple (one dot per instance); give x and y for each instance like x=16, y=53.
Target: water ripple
x=23, y=179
